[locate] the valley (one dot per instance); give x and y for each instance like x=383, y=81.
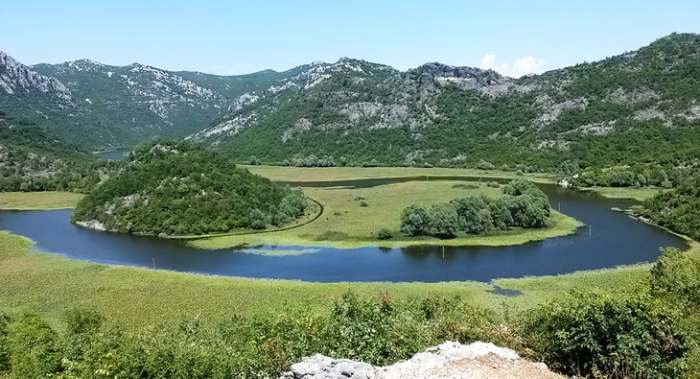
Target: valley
x=161, y=223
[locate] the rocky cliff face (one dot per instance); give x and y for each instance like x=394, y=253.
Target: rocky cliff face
x=18, y=79
x=450, y=360
x=347, y=97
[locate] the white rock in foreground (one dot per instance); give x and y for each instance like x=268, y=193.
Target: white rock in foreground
x=451, y=360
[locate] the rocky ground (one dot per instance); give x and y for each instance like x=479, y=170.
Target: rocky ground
x=450, y=360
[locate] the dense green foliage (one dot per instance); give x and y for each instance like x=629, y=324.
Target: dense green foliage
x=601, y=336
x=676, y=275
x=638, y=175
x=378, y=331
x=647, y=335
x=180, y=188
x=524, y=205
x=679, y=209
x=32, y=160
x=585, y=334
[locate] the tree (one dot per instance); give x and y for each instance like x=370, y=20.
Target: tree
x=414, y=221
x=443, y=220
x=469, y=212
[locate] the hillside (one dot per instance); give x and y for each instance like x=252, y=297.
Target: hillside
x=182, y=188
x=100, y=106
x=33, y=160
x=638, y=106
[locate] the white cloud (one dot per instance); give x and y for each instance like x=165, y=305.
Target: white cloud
x=519, y=67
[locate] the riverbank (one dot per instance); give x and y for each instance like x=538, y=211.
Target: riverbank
x=27, y=201
x=639, y=194
x=314, y=174
x=49, y=285
x=344, y=217
x=352, y=218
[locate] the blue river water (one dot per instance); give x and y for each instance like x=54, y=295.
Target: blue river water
x=608, y=239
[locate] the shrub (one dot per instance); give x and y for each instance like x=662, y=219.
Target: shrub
x=34, y=348
x=4, y=348
x=601, y=336
x=384, y=234
x=676, y=275
x=258, y=220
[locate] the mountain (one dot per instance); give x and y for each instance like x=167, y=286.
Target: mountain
x=101, y=106
x=638, y=106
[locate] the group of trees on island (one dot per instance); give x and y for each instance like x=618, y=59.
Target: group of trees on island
x=524, y=205
x=177, y=188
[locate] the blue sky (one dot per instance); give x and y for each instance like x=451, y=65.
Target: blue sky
x=233, y=37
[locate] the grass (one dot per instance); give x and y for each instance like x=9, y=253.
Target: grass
x=639, y=194
x=353, y=217
x=38, y=200
x=135, y=298
x=281, y=173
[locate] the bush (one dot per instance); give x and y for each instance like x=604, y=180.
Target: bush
x=257, y=219
x=384, y=234
x=601, y=336
x=4, y=348
x=676, y=275
x=34, y=348
x=379, y=331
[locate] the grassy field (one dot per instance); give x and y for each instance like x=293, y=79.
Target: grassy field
x=352, y=218
x=313, y=174
x=639, y=194
x=38, y=200
x=135, y=298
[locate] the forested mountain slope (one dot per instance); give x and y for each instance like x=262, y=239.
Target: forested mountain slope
x=33, y=160
x=99, y=106
x=638, y=106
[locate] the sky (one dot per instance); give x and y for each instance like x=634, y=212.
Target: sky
x=237, y=37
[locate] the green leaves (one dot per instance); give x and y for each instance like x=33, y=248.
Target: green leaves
x=524, y=206
x=179, y=188
x=603, y=336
